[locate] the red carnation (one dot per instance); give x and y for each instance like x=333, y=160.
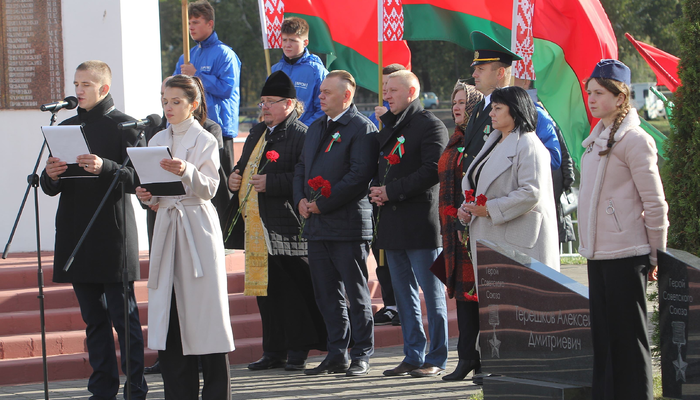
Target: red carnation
x=316, y=183
x=272, y=155
x=393, y=159
x=469, y=195
x=326, y=191
x=481, y=200
x=450, y=211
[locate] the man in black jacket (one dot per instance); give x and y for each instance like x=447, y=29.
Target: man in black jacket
x=292, y=324
x=96, y=272
x=341, y=147
x=408, y=228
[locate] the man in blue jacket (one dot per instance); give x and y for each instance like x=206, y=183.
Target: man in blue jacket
x=219, y=68
x=340, y=147
x=305, y=69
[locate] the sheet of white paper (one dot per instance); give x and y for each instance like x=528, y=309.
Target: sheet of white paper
x=66, y=142
x=146, y=160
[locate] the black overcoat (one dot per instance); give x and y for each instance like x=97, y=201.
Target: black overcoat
x=349, y=166
x=100, y=258
x=277, y=211
x=409, y=220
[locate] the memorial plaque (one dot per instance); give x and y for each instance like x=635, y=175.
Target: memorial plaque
x=679, y=321
x=534, y=321
x=31, y=54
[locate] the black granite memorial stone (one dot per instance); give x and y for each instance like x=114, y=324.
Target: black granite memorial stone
x=534, y=321
x=679, y=322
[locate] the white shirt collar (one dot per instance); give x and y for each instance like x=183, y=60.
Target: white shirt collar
x=338, y=116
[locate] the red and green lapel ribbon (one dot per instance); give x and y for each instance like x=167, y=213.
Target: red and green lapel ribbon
x=461, y=155
x=398, y=147
x=335, y=138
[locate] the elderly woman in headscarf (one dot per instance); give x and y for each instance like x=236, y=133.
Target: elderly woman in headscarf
x=459, y=272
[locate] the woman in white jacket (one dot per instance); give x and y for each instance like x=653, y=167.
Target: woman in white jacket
x=622, y=223
x=188, y=314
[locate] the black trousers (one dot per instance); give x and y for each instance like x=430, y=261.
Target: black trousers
x=339, y=269
x=102, y=306
x=468, y=323
x=180, y=372
x=292, y=324
x=384, y=278
x=621, y=356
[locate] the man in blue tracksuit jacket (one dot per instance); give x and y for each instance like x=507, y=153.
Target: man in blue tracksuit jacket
x=306, y=70
x=219, y=68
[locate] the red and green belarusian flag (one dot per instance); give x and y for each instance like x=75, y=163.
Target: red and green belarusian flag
x=347, y=31
x=570, y=37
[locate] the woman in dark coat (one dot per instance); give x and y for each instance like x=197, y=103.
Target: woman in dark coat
x=459, y=272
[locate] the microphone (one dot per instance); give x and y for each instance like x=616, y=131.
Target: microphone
x=68, y=103
x=151, y=120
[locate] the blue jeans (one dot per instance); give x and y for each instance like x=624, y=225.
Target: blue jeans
x=410, y=268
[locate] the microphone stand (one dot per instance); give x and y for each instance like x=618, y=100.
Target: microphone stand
x=118, y=178
x=33, y=182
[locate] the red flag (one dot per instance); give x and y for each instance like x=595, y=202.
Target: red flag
x=664, y=65
x=347, y=32
x=570, y=37
x=271, y=16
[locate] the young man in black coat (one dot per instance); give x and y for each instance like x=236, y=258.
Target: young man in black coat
x=292, y=324
x=408, y=228
x=341, y=147
x=96, y=272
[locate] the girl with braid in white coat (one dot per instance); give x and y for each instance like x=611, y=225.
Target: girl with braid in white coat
x=622, y=223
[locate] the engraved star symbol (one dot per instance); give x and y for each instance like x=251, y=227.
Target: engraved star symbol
x=680, y=367
x=495, y=346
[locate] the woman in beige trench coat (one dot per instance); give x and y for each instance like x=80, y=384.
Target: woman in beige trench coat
x=188, y=312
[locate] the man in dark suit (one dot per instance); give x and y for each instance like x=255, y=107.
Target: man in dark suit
x=340, y=147
x=408, y=225
x=492, y=69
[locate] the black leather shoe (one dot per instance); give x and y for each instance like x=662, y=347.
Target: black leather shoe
x=153, y=369
x=426, y=370
x=464, y=367
x=266, y=362
x=358, y=368
x=295, y=366
x=328, y=367
x=402, y=369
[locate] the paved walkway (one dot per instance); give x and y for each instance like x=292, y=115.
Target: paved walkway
x=280, y=384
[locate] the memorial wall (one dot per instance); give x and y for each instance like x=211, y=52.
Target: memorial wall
x=31, y=43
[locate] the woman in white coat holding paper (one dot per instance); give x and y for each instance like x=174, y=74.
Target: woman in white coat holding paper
x=188, y=314
x=513, y=172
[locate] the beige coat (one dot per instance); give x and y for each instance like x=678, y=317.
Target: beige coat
x=622, y=209
x=187, y=253
x=517, y=181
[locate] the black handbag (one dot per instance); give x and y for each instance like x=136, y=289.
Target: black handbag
x=569, y=201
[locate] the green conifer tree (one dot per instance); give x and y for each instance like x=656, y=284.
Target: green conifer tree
x=681, y=172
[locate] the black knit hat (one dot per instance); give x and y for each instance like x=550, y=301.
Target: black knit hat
x=279, y=84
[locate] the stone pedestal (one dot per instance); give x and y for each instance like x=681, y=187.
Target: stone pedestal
x=679, y=322
x=534, y=323
x=508, y=388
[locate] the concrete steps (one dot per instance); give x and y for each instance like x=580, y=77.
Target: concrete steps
x=20, y=337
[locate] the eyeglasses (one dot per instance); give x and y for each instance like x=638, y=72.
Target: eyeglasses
x=268, y=104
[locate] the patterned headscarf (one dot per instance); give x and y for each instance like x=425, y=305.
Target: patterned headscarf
x=473, y=98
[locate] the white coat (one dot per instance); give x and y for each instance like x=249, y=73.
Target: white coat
x=517, y=181
x=187, y=253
